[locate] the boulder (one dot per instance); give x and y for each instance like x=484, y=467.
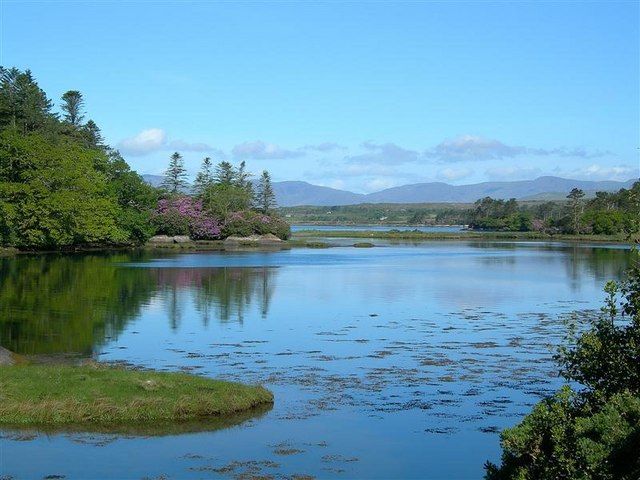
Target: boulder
x=253, y=240
x=181, y=239
x=7, y=357
x=167, y=240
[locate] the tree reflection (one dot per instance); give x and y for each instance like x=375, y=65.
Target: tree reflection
x=76, y=303
x=224, y=294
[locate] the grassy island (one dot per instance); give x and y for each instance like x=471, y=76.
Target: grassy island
x=95, y=394
x=461, y=235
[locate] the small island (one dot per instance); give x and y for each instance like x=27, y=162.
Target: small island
x=105, y=395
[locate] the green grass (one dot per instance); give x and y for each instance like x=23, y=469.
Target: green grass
x=97, y=394
x=463, y=235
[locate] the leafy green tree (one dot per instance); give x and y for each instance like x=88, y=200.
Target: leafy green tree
x=135, y=197
x=51, y=195
x=221, y=199
x=72, y=106
x=175, y=175
x=265, y=197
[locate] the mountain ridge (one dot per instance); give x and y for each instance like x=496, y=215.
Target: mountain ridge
x=298, y=193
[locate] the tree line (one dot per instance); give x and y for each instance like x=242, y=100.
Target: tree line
x=62, y=186
x=222, y=202
x=607, y=213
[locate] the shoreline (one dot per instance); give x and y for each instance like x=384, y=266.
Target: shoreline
x=464, y=235
x=314, y=239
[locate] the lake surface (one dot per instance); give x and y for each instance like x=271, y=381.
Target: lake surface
x=378, y=228
x=401, y=361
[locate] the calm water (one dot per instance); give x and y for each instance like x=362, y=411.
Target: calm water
x=397, y=361
x=376, y=228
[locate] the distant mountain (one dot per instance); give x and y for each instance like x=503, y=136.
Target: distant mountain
x=302, y=193
x=294, y=193
x=443, y=192
x=153, y=180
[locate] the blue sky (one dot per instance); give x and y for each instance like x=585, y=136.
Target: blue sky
x=360, y=95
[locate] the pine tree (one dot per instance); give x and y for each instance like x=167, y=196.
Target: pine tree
x=225, y=174
x=265, y=197
x=72, y=106
x=175, y=175
x=204, y=178
x=575, y=196
x=23, y=104
x=93, y=135
x=244, y=179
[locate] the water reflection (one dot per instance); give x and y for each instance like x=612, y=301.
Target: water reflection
x=222, y=293
x=76, y=303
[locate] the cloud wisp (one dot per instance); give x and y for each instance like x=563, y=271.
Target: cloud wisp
x=384, y=154
x=471, y=148
x=259, y=150
x=156, y=139
x=323, y=147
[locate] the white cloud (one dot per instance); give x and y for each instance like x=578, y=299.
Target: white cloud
x=475, y=148
x=259, y=150
x=384, y=154
x=156, y=139
x=147, y=141
x=604, y=172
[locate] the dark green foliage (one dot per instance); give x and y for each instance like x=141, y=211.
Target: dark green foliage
x=490, y=214
x=225, y=174
x=23, y=104
x=606, y=357
x=265, y=197
x=204, y=178
x=72, y=105
x=222, y=199
x=564, y=438
x=606, y=214
x=248, y=222
x=60, y=186
x=593, y=433
x=175, y=177
x=51, y=195
x=380, y=214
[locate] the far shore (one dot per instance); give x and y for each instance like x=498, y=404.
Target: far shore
x=315, y=239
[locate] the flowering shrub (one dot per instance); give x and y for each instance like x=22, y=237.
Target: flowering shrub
x=247, y=222
x=185, y=216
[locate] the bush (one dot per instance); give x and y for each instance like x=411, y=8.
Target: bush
x=185, y=216
x=247, y=222
x=566, y=438
x=593, y=433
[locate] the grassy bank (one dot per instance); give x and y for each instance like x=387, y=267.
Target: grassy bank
x=58, y=395
x=462, y=235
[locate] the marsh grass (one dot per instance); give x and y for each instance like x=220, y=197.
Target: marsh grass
x=98, y=394
x=462, y=235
